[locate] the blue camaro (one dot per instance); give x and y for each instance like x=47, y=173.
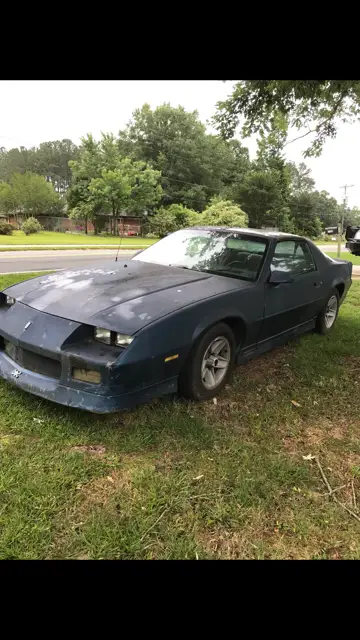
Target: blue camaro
x=175, y=317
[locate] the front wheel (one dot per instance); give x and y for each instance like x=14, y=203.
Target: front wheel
x=327, y=318
x=209, y=364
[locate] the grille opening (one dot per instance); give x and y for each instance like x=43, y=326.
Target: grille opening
x=33, y=361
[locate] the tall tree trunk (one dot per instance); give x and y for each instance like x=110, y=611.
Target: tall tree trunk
x=86, y=228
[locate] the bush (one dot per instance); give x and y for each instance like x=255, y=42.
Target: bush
x=31, y=225
x=170, y=219
x=6, y=229
x=221, y=213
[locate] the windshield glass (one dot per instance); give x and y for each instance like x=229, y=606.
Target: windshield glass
x=224, y=253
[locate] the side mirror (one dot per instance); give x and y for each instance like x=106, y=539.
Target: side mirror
x=280, y=277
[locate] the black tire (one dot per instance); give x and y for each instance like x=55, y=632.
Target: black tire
x=191, y=384
x=321, y=323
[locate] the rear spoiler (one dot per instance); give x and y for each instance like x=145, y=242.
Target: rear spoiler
x=350, y=232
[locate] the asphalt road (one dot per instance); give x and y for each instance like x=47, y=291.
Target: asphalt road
x=28, y=261
x=22, y=261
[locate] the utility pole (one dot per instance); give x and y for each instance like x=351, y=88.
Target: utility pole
x=341, y=223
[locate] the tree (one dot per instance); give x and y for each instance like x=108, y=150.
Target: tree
x=86, y=211
x=30, y=195
x=105, y=182
x=314, y=104
x=130, y=187
x=300, y=178
x=304, y=213
x=50, y=160
x=265, y=191
x=82, y=204
x=194, y=165
x=328, y=210
x=262, y=200
x=222, y=213
x=8, y=199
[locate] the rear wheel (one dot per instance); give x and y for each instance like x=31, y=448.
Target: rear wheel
x=327, y=318
x=209, y=365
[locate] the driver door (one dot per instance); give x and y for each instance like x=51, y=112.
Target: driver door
x=289, y=305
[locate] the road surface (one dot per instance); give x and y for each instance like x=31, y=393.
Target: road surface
x=28, y=261
x=22, y=261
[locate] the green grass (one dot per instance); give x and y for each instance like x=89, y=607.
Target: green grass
x=345, y=255
x=183, y=480
x=324, y=242
x=53, y=237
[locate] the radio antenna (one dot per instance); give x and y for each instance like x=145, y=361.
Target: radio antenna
x=117, y=253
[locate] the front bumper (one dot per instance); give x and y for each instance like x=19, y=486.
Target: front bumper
x=52, y=389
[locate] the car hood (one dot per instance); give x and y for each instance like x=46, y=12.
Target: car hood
x=122, y=296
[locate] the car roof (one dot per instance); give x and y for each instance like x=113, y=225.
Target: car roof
x=267, y=233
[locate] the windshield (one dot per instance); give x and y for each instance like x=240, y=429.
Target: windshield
x=223, y=253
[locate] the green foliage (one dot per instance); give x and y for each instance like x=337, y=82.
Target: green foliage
x=299, y=103
x=29, y=194
x=170, y=219
x=300, y=178
x=129, y=187
x=222, y=213
x=8, y=200
x=31, y=225
x=50, y=160
x=303, y=210
x=106, y=182
x=262, y=200
x=6, y=229
x=194, y=165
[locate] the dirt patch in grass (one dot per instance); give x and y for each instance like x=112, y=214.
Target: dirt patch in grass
x=353, y=363
x=270, y=364
x=99, y=491
x=96, y=450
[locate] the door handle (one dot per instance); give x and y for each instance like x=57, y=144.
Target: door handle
x=317, y=284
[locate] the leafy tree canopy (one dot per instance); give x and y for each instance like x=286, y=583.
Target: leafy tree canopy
x=194, y=165
x=106, y=182
x=50, y=160
x=29, y=194
x=313, y=104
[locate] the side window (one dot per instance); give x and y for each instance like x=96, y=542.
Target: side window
x=293, y=257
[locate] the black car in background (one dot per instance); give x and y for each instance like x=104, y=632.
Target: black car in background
x=352, y=236
x=175, y=317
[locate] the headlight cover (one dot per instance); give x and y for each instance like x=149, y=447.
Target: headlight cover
x=111, y=337
x=102, y=335
x=122, y=340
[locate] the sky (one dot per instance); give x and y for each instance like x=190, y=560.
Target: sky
x=34, y=111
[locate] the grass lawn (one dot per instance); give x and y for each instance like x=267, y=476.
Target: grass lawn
x=181, y=480
x=324, y=242
x=53, y=237
x=345, y=255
